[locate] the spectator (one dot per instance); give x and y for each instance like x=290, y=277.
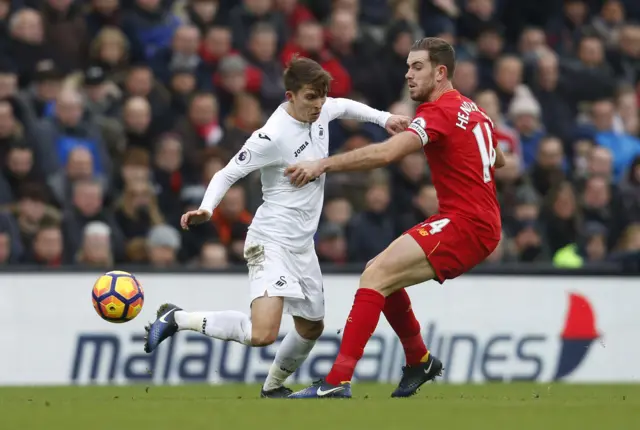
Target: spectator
x=137, y=123
x=609, y=21
x=11, y=131
x=626, y=60
x=95, y=250
x=309, y=42
x=136, y=166
x=561, y=216
x=65, y=31
x=181, y=55
x=234, y=77
x=66, y=130
x=624, y=147
x=245, y=118
x=372, y=230
x=46, y=83
x=111, y=50
x=47, y=247
x=331, y=245
x=215, y=46
x=182, y=86
x=27, y=47
x=508, y=80
x=399, y=39
x=31, y=211
x=231, y=213
x=262, y=50
x=79, y=167
x=465, y=78
x=169, y=176
x=246, y=15
x=154, y=25
x=507, y=138
x=548, y=169
x=163, y=242
x=358, y=55
x=489, y=46
x=213, y=256
x=525, y=114
x=137, y=210
x=140, y=82
x=109, y=15
x=337, y=211
x=425, y=205
x=406, y=181
x=557, y=96
x=8, y=80
x=200, y=128
x=20, y=169
x=203, y=13
x=87, y=207
x=294, y=13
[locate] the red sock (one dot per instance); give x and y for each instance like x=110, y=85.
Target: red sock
x=397, y=310
x=361, y=324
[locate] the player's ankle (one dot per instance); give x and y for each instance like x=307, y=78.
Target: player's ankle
x=190, y=321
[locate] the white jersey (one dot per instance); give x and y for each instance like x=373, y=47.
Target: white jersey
x=289, y=215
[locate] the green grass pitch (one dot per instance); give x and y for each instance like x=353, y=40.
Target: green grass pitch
x=238, y=407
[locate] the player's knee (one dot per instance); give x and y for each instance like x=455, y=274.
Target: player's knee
x=310, y=330
x=263, y=336
x=374, y=278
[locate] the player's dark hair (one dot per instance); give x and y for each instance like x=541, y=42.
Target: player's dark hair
x=304, y=71
x=441, y=53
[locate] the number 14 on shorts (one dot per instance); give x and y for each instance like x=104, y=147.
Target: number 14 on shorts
x=433, y=227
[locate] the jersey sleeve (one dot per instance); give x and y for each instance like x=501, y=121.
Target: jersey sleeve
x=351, y=109
x=258, y=151
x=430, y=124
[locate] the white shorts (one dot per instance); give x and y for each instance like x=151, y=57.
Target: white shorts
x=279, y=272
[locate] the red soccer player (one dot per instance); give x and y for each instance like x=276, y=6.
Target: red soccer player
x=459, y=142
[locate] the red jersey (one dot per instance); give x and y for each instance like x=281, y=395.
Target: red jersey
x=459, y=142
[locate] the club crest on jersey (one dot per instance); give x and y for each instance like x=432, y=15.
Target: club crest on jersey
x=419, y=126
x=320, y=132
x=243, y=157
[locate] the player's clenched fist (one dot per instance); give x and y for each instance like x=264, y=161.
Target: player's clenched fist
x=397, y=123
x=302, y=173
x=194, y=217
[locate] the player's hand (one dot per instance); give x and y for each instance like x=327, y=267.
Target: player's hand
x=194, y=217
x=302, y=173
x=397, y=123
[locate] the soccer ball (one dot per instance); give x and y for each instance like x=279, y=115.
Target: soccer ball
x=117, y=296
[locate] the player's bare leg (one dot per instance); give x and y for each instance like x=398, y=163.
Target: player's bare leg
x=399, y=266
x=292, y=352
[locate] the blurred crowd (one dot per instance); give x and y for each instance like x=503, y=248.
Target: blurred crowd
x=115, y=114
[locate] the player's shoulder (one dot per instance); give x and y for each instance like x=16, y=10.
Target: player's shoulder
x=331, y=104
x=273, y=130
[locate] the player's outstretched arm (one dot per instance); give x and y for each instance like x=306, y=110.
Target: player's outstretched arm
x=367, y=158
x=257, y=152
x=351, y=109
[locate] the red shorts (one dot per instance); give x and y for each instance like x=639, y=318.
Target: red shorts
x=452, y=244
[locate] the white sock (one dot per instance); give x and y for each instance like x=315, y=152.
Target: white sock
x=293, y=350
x=224, y=325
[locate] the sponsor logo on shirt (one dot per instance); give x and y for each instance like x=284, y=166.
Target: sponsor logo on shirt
x=299, y=150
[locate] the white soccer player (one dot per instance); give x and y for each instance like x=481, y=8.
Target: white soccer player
x=284, y=272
